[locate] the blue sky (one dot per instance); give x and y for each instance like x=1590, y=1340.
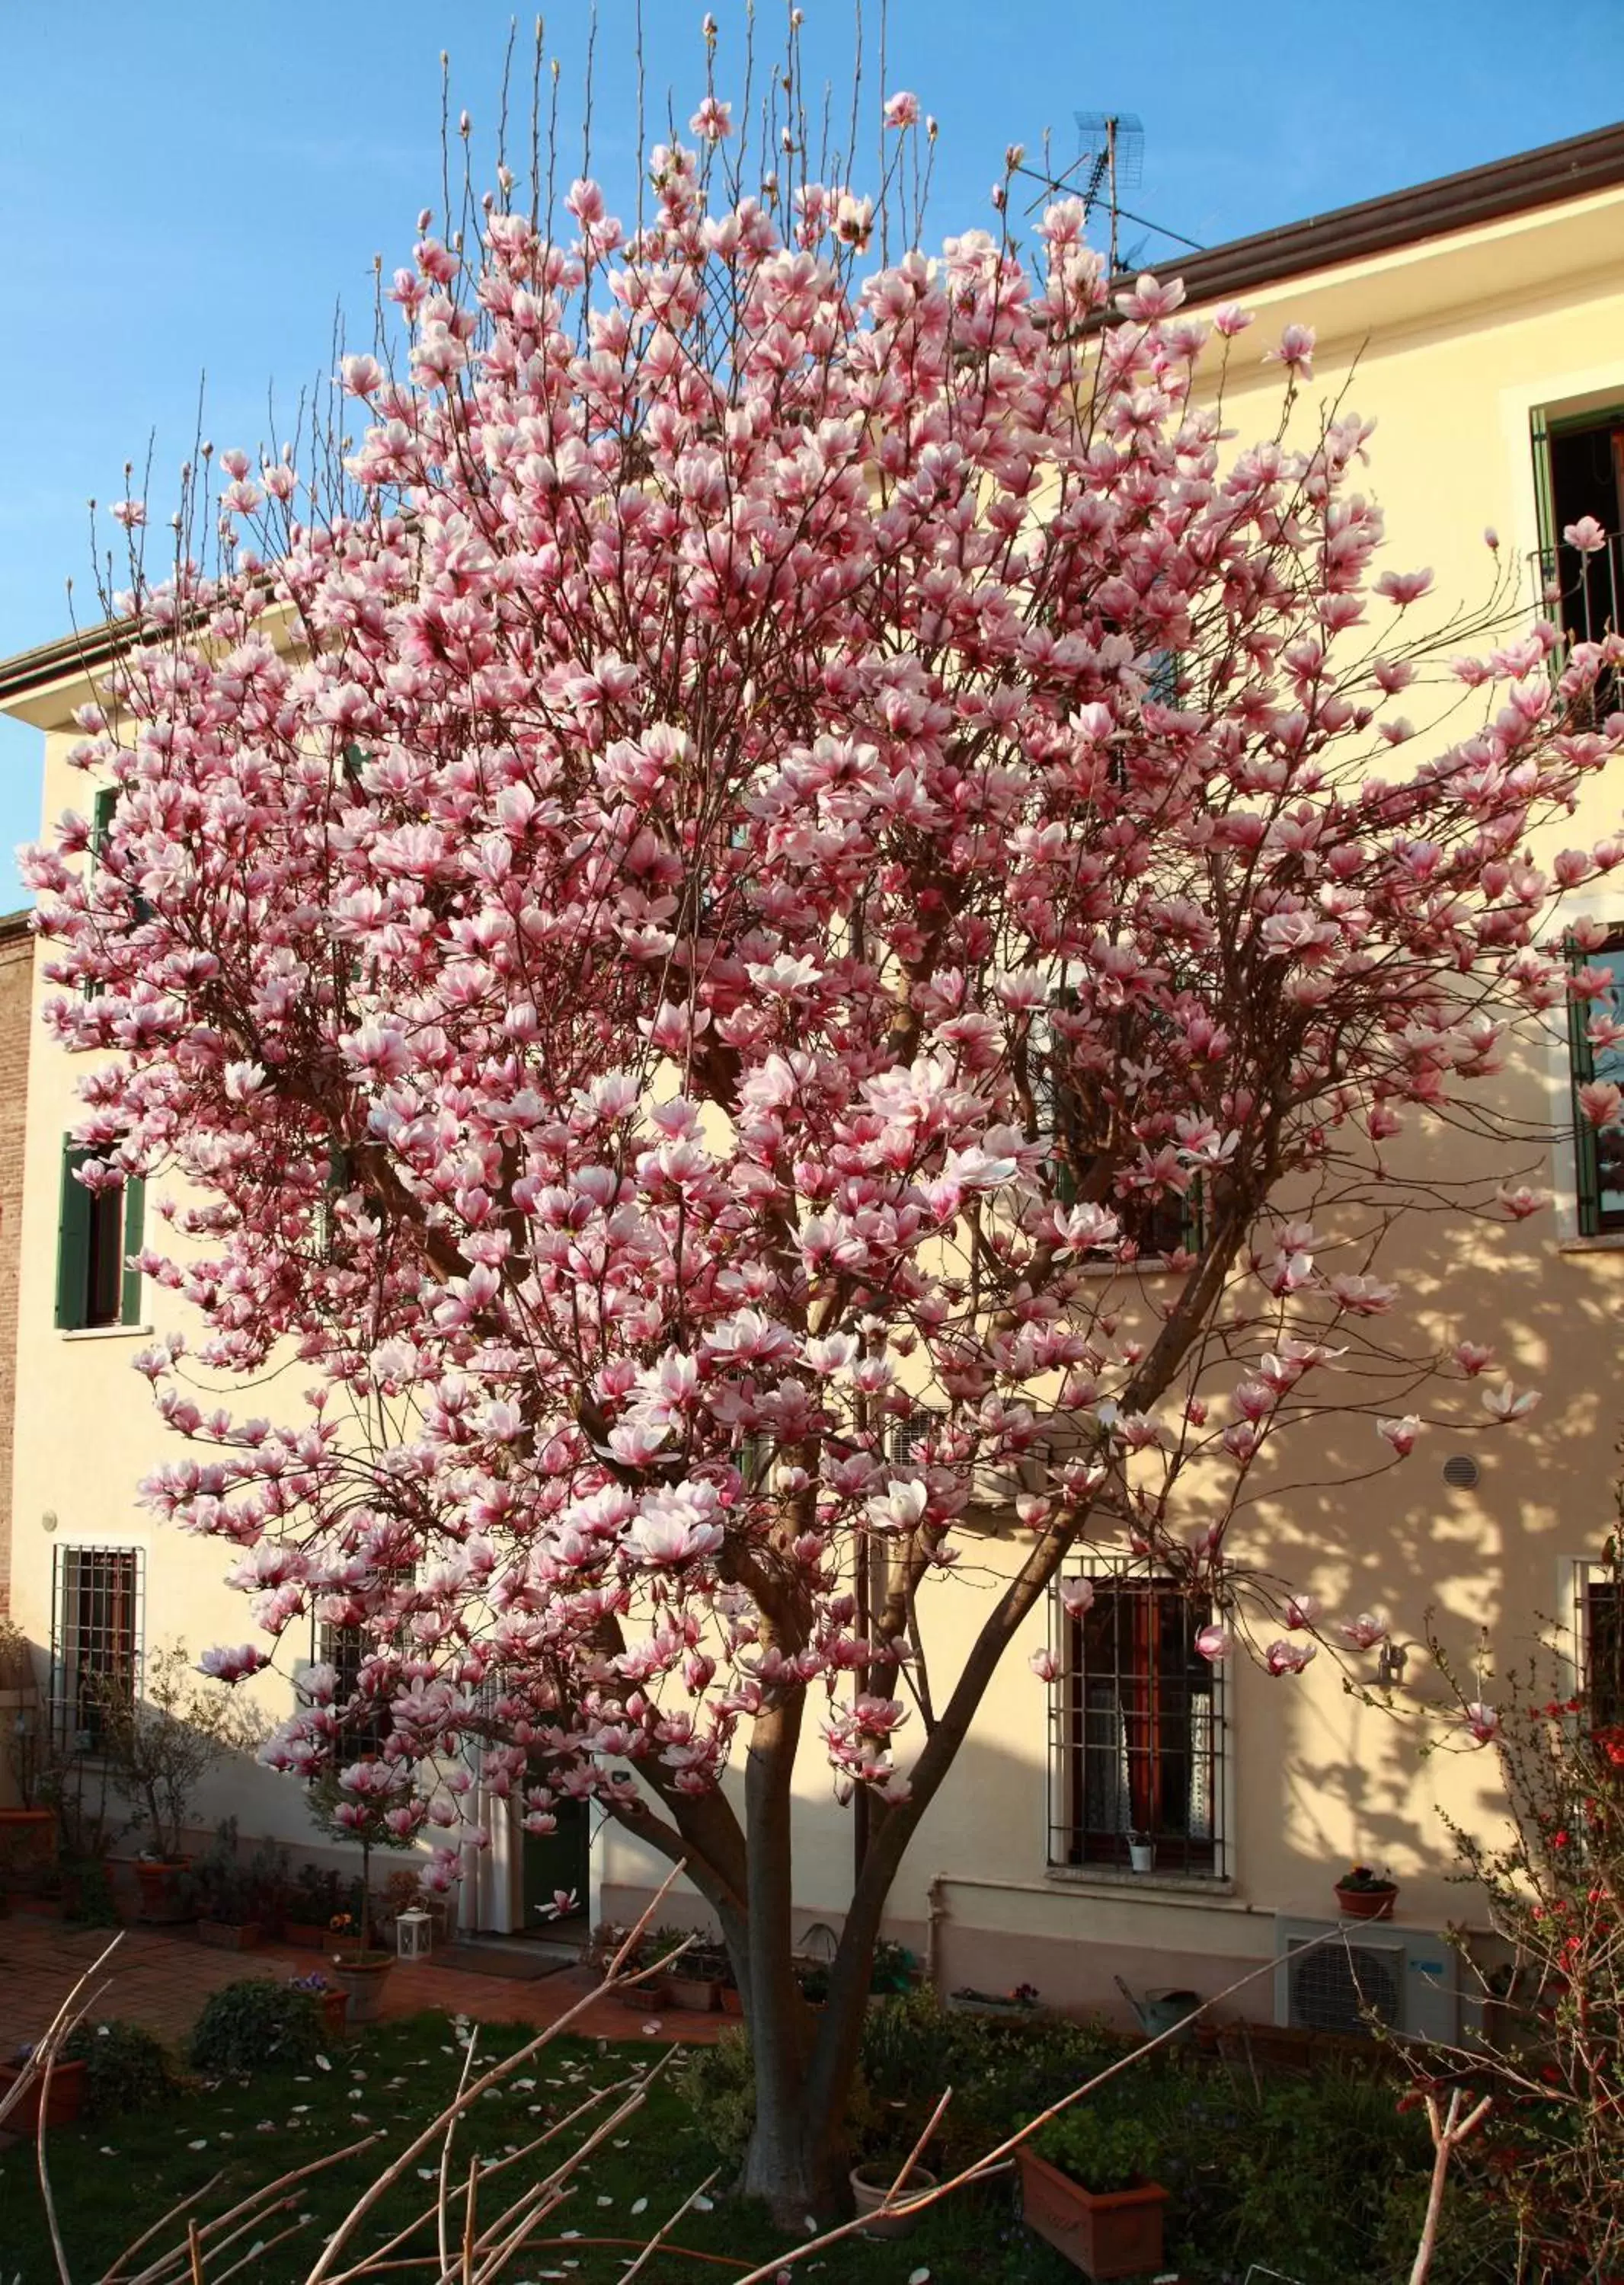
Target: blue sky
x=191, y=190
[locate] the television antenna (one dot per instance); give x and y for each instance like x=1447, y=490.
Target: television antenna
x=1112, y=158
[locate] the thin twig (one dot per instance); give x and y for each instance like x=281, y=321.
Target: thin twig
x=665, y=2228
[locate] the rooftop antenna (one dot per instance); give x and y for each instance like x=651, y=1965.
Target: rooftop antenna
x=1111, y=154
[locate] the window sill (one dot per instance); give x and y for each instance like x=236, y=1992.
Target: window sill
x=1149, y=1264
x=1166, y=1887
x=1610, y=1241
x=104, y=1332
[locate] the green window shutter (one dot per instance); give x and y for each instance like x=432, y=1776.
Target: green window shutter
x=1586, y=1171
x=101, y=819
x=1545, y=497
x=134, y=1218
x=73, y=1243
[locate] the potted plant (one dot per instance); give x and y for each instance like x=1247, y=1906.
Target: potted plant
x=371, y=1803
x=872, y=2179
x=332, y=2002
x=62, y=2103
x=1141, y=1853
x=76, y=1782
x=1364, y=1893
x=893, y=1969
x=159, y=1741
x=967, y=2001
x=28, y=1828
x=690, y=1982
x=317, y=1896
x=1086, y=2186
x=220, y=1892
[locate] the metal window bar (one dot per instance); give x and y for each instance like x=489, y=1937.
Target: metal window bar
x=1585, y=594
x=366, y=1724
x=99, y=1618
x=1137, y=1728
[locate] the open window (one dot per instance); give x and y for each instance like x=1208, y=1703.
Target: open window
x=1138, y=1729
x=1598, y=1155
x=97, y=1233
x=1579, y=477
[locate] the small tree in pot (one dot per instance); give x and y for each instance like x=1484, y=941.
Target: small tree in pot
x=159, y=1741
x=371, y=1802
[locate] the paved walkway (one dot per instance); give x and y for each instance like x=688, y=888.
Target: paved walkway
x=161, y=1977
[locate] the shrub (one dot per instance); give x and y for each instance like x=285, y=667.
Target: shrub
x=1104, y=2150
x=256, y=2025
x=720, y=2082
x=127, y=2069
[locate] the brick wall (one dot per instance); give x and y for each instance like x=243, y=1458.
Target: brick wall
x=16, y=1004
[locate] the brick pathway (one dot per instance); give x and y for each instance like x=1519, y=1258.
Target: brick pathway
x=161, y=1977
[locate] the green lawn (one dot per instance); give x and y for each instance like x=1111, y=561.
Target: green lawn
x=112, y=2178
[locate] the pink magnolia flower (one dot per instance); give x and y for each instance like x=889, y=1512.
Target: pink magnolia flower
x=130, y=513
x=1295, y=351
x=1283, y=1657
x=1586, y=535
x=1483, y=1722
x=1507, y=1403
x=902, y=109
x=1402, y=587
x=1400, y=1434
x=1044, y=1664
x=1214, y=1643
x=1303, y=1610
x=1077, y=1597
x=1472, y=1357
x=1365, y=1631
x=1601, y=1101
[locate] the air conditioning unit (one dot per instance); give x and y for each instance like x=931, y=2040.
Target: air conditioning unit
x=1405, y=1977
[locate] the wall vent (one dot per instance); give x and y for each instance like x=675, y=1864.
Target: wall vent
x=1462, y=1471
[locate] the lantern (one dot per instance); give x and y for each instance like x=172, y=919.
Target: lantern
x=414, y=1934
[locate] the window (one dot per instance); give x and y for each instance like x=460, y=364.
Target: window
x=96, y=1636
x=1155, y=1227
x=366, y=1725
x=1137, y=1729
x=1598, y=1155
x=1600, y=1609
x=97, y=1231
x=1579, y=473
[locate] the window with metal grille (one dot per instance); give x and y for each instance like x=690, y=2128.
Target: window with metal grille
x=1599, y=1628
x=96, y=1637
x=97, y=1233
x=367, y=1723
x=1137, y=1729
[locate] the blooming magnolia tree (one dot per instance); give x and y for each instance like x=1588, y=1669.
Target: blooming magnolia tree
x=684, y=937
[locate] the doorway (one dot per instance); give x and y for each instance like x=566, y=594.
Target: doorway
x=552, y=1861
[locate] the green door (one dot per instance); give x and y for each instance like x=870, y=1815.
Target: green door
x=556, y=1860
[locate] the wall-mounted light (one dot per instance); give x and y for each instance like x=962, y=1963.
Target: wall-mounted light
x=48, y=1521
x=1390, y=1665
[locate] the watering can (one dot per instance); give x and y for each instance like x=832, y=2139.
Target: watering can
x=1161, y=2011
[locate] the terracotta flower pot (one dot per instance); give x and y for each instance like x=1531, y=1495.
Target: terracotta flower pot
x=869, y=2184
x=66, y=2099
x=732, y=2002
x=163, y=1899
x=362, y=1981
x=1366, y=1904
x=307, y=1935
x=334, y=2013
x=1102, y=2232
x=696, y=1994
x=230, y=1935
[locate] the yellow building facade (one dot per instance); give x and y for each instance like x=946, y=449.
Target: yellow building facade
x=1480, y=322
